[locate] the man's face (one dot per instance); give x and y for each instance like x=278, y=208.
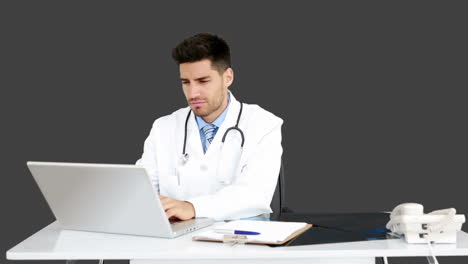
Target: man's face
x=205, y=88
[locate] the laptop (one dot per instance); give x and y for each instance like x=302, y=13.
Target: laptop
x=107, y=198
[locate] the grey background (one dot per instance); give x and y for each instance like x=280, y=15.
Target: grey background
x=373, y=94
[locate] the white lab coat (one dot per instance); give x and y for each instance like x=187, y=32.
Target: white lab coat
x=208, y=180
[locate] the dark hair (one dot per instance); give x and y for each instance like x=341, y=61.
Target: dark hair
x=204, y=46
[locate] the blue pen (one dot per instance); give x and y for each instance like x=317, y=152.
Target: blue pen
x=236, y=232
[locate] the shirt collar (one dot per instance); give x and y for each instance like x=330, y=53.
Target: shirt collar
x=201, y=123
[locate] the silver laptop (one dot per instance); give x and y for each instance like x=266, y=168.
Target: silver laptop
x=107, y=198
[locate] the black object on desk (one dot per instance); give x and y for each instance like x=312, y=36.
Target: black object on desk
x=335, y=228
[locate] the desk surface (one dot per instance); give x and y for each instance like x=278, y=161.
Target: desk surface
x=52, y=242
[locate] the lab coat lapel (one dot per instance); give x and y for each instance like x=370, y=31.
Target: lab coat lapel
x=194, y=145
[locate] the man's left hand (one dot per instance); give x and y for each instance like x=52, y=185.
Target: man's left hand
x=177, y=209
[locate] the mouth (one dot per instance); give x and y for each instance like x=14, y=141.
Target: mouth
x=197, y=103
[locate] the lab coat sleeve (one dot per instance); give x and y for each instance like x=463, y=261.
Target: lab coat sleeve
x=251, y=192
x=148, y=159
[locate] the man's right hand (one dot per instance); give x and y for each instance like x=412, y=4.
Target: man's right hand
x=182, y=210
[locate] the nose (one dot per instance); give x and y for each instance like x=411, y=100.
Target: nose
x=193, y=91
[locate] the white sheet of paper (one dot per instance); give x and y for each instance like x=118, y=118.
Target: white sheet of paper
x=270, y=231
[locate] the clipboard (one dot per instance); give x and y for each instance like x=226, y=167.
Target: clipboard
x=241, y=239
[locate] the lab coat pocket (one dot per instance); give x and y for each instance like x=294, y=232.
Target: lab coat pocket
x=192, y=180
x=171, y=181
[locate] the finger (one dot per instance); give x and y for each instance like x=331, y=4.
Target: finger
x=170, y=213
x=165, y=200
x=169, y=204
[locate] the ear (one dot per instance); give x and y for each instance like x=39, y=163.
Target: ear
x=228, y=76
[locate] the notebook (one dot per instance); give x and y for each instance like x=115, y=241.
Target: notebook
x=271, y=232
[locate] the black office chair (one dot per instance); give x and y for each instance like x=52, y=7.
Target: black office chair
x=278, y=204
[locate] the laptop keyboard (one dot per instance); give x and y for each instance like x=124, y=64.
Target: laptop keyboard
x=182, y=224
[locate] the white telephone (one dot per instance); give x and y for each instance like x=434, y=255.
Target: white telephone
x=439, y=226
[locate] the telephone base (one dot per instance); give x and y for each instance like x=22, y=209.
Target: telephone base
x=423, y=238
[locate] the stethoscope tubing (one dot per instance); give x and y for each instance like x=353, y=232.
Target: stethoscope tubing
x=185, y=156
x=236, y=127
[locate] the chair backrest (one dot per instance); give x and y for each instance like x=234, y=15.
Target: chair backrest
x=278, y=205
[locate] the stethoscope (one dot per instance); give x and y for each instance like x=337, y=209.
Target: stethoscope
x=185, y=156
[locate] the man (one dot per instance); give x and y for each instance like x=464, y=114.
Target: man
x=196, y=174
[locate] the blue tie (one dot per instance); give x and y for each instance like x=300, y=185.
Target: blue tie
x=209, y=130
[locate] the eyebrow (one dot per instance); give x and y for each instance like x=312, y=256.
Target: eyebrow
x=197, y=79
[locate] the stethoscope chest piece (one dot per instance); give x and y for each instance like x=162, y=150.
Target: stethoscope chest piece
x=184, y=159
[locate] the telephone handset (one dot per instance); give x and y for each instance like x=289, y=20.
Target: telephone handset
x=408, y=209
x=439, y=226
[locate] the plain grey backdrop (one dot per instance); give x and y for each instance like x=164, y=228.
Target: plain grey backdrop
x=373, y=94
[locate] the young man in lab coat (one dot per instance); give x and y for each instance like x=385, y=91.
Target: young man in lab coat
x=207, y=178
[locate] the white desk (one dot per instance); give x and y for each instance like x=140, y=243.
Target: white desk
x=53, y=243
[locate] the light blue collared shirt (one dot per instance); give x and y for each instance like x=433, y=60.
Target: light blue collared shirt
x=201, y=123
